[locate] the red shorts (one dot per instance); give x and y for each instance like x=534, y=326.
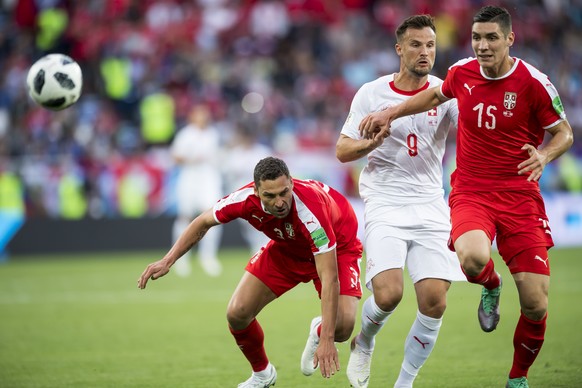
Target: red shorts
x=517, y=218
x=281, y=273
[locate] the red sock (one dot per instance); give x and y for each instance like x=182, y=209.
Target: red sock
x=250, y=341
x=488, y=278
x=527, y=342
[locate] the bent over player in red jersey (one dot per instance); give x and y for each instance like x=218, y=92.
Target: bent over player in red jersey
x=505, y=107
x=313, y=232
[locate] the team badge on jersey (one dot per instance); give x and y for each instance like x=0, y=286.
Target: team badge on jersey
x=289, y=230
x=433, y=116
x=510, y=100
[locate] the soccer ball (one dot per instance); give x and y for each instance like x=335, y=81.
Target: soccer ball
x=55, y=81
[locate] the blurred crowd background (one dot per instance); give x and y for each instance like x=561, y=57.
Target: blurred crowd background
x=277, y=73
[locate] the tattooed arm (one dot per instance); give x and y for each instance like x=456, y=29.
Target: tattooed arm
x=348, y=149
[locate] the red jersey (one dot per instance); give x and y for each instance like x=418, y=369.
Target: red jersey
x=320, y=219
x=497, y=116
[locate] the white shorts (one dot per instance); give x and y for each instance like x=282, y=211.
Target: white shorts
x=413, y=236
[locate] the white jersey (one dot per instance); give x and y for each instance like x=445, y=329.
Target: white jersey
x=199, y=182
x=200, y=149
x=407, y=167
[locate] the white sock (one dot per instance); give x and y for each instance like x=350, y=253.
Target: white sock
x=417, y=347
x=373, y=319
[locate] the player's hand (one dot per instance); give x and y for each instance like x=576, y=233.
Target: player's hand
x=327, y=358
x=153, y=271
x=376, y=125
x=375, y=142
x=534, y=165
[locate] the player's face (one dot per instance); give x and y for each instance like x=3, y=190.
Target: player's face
x=276, y=195
x=417, y=50
x=491, y=48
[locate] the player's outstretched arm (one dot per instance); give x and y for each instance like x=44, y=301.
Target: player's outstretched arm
x=190, y=237
x=348, y=149
x=376, y=125
x=326, y=354
x=562, y=139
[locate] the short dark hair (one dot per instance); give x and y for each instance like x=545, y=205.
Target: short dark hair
x=418, y=22
x=494, y=14
x=270, y=168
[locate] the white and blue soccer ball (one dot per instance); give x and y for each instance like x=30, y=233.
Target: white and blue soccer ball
x=55, y=81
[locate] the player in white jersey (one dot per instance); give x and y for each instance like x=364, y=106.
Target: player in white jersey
x=196, y=150
x=406, y=216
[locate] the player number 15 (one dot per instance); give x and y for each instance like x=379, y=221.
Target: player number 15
x=489, y=124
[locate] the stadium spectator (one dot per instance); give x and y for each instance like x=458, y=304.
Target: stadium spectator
x=307, y=68
x=313, y=230
x=196, y=150
x=407, y=221
x=505, y=107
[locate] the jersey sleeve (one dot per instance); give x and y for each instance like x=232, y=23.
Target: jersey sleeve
x=232, y=206
x=315, y=212
x=549, y=108
x=446, y=86
x=453, y=112
x=358, y=110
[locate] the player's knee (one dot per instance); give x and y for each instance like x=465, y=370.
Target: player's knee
x=534, y=308
x=472, y=260
x=238, y=316
x=343, y=330
x=472, y=265
x=387, y=299
x=434, y=308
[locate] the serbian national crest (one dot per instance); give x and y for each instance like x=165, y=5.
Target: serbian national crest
x=289, y=230
x=510, y=100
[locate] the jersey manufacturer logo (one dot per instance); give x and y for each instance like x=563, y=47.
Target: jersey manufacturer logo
x=258, y=218
x=542, y=260
x=533, y=351
x=312, y=221
x=469, y=88
x=423, y=344
x=510, y=100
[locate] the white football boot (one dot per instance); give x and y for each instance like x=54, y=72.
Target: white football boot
x=358, y=369
x=310, y=348
x=257, y=381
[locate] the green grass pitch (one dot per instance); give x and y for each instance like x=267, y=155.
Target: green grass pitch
x=80, y=321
